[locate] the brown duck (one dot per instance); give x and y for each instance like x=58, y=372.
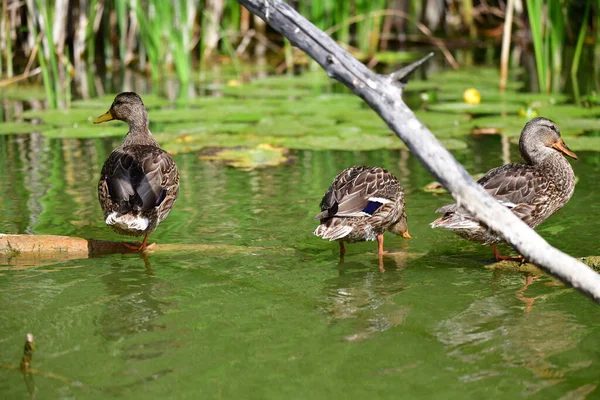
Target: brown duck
x=533, y=190
x=139, y=182
x=361, y=204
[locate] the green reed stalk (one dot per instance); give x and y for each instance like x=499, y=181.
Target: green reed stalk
x=90, y=37
x=467, y=7
x=328, y=10
x=363, y=28
x=150, y=39
x=68, y=68
x=557, y=17
x=416, y=11
x=343, y=13
x=8, y=55
x=578, y=50
x=535, y=10
x=121, y=10
x=234, y=16
x=596, y=68
x=179, y=39
x=9, y=52
x=46, y=79
x=49, y=73
x=375, y=34
x=317, y=13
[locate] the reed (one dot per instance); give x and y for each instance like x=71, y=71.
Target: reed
x=578, y=50
x=165, y=36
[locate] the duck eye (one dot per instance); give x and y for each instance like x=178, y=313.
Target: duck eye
x=552, y=127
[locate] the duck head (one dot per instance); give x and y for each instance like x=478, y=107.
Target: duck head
x=128, y=107
x=540, y=138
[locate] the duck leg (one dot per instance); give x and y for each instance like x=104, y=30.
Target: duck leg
x=140, y=246
x=500, y=257
x=380, y=250
x=342, y=249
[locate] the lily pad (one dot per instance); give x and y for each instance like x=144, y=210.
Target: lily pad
x=584, y=143
x=15, y=128
x=261, y=156
x=239, y=113
x=483, y=108
x=85, y=131
x=510, y=125
x=567, y=111
x=68, y=117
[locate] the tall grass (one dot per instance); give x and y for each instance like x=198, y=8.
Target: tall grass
x=166, y=38
x=578, y=50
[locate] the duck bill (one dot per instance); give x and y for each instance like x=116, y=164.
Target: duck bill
x=107, y=116
x=406, y=235
x=562, y=147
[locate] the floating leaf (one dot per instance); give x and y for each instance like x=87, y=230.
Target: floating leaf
x=261, y=156
x=14, y=128
x=68, y=117
x=483, y=108
x=85, y=131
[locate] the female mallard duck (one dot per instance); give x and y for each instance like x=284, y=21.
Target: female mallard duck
x=533, y=190
x=361, y=204
x=140, y=181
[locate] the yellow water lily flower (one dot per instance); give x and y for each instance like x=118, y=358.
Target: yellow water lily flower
x=472, y=96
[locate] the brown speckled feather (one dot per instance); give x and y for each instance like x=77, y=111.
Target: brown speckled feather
x=139, y=182
x=354, y=190
x=533, y=191
x=139, y=179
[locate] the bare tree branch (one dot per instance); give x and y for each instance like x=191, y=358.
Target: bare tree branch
x=383, y=93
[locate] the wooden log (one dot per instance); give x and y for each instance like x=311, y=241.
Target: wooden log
x=383, y=93
x=22, y=251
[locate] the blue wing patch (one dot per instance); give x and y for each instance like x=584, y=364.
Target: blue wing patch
x=372, y=207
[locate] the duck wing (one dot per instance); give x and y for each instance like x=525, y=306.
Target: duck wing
x=517, y=186
x=358, y=191
x=137, y=178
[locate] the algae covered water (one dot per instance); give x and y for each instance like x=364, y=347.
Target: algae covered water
x=255, y=306
x=269, y=311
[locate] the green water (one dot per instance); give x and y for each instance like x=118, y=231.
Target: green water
x=271, y=313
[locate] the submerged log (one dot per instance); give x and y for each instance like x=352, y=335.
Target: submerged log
x=27, y=250
x=383, y=93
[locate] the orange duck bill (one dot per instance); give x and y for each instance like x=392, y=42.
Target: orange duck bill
x=562, y=147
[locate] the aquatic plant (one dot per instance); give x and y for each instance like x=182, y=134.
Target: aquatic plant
x=64, y=40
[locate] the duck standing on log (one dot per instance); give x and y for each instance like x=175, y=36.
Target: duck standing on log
x=361, y=204
x=139, y=182
x=533, y=190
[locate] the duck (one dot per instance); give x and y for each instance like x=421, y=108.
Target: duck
x=360, y=205
x=533, y=190
x=139, y=182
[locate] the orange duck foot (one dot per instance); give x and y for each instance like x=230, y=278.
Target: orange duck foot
x=500, y=257
x=140, y=246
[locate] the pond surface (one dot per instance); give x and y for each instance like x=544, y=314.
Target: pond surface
x=270, y=312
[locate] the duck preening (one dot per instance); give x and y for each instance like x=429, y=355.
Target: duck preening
x=361, y=204
x=533, y=190
x=139, y=182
